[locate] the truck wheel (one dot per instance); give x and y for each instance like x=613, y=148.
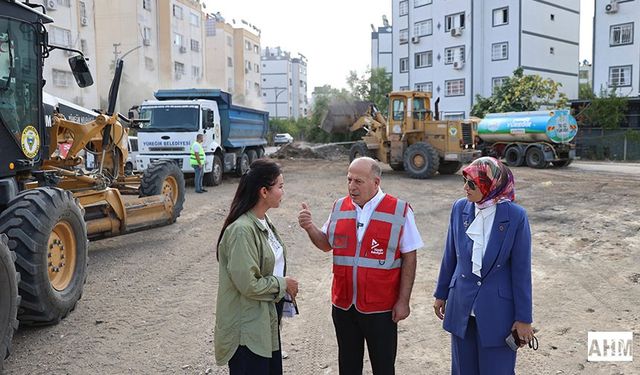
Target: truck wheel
x=449, y=167
x=164, y=177
x=260, y=152
x=561, y=163
x=9, y=299
x=514, y=157
x=214, y=178
x=47, y=231
x=421, y=160
x=359, y=149
x=397, y=167
x=253, y=155
x=243, y=164
x=535, y=158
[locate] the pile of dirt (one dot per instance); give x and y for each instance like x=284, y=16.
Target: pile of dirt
x=300, y=150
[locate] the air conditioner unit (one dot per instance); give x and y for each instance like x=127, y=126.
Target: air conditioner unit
x=183, y=49
x=146, y=41
x=456, y=31
x=50, y=4
x=84, y=21
x=457, y=65
x=415, y=39
x=612, y=7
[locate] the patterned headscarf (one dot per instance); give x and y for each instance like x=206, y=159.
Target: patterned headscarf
x=494, y=180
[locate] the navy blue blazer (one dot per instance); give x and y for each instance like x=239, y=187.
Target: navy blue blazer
x=502, y=294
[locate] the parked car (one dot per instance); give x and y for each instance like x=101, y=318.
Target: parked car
x=282, y=139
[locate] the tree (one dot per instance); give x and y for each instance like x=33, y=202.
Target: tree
x=605, y=111
x=585, y=92
x=521, y=93
x=373, y=86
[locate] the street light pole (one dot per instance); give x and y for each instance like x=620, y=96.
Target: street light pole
x=275, y=90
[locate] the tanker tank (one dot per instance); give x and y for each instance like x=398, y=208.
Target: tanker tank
x=555, y=126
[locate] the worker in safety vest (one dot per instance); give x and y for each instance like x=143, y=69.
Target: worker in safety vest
x=374, y=239
x=197, y=162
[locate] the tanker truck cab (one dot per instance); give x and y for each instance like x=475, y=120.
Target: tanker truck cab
x=169, y=128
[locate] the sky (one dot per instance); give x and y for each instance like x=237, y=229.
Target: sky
x=334, y=35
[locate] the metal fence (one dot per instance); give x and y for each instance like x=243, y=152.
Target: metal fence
x=608, y=144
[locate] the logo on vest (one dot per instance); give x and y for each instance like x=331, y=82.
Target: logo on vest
x=375, y=248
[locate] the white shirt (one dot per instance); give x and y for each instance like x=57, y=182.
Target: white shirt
x=479, y=232
x=410, y=239
x=276, y=247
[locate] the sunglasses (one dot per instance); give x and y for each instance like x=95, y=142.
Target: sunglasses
x=469, y=183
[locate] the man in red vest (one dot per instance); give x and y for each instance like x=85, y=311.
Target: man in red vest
x=374, y=239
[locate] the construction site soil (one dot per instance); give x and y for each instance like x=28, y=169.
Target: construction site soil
x=149, y=301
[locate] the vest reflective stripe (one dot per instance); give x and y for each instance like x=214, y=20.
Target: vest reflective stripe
x=365, y=262
x=192, y=159
x=338, y=214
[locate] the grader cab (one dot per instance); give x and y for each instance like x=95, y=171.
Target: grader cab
x=412, y=138
x=50, y=204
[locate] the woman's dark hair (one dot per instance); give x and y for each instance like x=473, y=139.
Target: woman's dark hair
x=261, y=173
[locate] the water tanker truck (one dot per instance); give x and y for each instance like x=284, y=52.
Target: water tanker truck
x=538, y=139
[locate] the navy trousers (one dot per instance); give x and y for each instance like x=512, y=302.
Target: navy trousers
x=469, y=358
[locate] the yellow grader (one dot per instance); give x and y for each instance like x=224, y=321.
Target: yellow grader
x=412, y=139
x=50, y=204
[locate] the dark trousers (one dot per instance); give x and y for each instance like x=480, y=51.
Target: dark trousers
x=468, y=357
x=199, y=170
x=246, y=362
x=353, y=329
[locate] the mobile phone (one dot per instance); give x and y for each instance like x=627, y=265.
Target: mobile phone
x=512, y=340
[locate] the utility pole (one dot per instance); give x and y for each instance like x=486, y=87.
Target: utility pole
x=275, y=90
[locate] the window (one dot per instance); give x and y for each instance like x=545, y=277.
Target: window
x=620, y=76
x=423, y=59
x=404, y=8
x=500, y=16
x=177, y=39
x=195, y=45
x=247, y=45
x=256, y=68
x=146, y=4
x=398, y=108
x=404, y=36
x=210, y=27
x=146, y=35
x=177, y=12
x=194, y=19
x=229, y=62
x=404, y=88
x=453, y=20
x=65, y=3
x=496, y=83
x=452, y=54
x=423, y=28
x=148, y=63
x=178, y=69
x=454, y=87
x=552, y=17
x=451, y=116
x=552, y=51
x=83, y=9
x=499, y=51
x=61, y=78
x=83, y=46
x=424, y=86
x=419, y=3
x=60, y=36
x=621, y=34
x=256, y=48
x=404, y=65
x=583, y=74
x=229, y=41
x=195, y=72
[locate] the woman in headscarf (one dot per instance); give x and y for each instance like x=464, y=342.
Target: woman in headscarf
x=485, y=276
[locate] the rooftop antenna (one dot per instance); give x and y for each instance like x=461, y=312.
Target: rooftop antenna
x=385, y=21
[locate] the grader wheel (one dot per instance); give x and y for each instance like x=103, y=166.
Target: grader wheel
x=164, y=177
x=9, y=299
x=47, y=231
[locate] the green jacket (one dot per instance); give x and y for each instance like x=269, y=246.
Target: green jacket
x=247, y=290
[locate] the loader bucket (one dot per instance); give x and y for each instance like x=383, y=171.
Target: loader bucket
x=341, y=115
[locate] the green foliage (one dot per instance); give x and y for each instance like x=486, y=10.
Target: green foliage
x=605, y=111
x=373, y=86
x=585, y=92
x=521, y=93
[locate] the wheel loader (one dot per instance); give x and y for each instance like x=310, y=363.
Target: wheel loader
x=412, y=139
x=50, y=204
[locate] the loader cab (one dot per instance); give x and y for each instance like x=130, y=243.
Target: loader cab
x=398, y=113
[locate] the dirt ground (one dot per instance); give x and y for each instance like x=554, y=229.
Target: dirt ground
x=148, y=305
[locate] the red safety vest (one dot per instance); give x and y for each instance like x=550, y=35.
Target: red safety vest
x=366, y=274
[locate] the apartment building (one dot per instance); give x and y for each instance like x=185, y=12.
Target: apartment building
x=585, y=74
x=247, y=67
x=382, y=46
x=460, y=48
x=616, y=47
x=219, y=53
x=73, y=27
x=284, y=83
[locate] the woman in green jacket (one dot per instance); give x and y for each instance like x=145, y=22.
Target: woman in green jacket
x=252, y=281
